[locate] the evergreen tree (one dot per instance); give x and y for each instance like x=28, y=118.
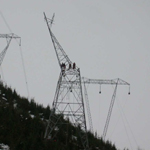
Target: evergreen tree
x=23, y=123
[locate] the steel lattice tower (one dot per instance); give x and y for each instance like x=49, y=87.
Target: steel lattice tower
x=68, y=101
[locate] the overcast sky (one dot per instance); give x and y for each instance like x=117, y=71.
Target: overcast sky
x=106, y=39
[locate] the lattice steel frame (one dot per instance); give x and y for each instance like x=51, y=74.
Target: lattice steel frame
x=68, y=101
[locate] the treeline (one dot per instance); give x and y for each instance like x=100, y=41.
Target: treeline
x=23, y=123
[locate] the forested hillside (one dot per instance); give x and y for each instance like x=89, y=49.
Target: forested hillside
x=23, y=123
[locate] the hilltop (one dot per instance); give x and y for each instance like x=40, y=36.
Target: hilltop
x=23, y=123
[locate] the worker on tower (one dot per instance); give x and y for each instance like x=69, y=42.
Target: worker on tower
x=74, y=66
x=63, y=67
x=69, y=66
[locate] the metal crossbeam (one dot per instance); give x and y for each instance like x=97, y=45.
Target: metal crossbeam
x=115, y=82
x=8, y=37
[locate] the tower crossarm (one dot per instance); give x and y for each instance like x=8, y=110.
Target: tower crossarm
x=8, y=37
x=60, y=53
x=105, y=81
x=114, y=82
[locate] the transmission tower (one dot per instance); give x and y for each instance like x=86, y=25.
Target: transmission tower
x=8, y=38
x=68, y=101
x=115, y=82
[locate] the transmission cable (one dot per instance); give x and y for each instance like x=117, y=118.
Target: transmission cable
x=129, y=126
x=5, y=21
x=25, y=75
x=127, y=132
x=121, y=114
x=117, y=120
x=20, y=53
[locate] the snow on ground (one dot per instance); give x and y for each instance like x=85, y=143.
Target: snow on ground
x=4, y=147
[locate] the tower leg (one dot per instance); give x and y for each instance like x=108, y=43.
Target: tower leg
x=68, y=110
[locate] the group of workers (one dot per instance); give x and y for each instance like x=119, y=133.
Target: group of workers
x=63, y=66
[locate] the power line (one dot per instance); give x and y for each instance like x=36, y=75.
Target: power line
x=20, y=53
x=5, y=21
x=129, y=126
x=24, y=70
x=121, y=114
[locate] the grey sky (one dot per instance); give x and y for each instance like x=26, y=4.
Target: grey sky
x=106, y=39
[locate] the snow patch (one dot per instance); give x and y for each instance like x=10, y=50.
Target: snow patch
x=15, y=105
x=4, y=98
x=4, y=147
x=74, y=137
x=32, y=116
